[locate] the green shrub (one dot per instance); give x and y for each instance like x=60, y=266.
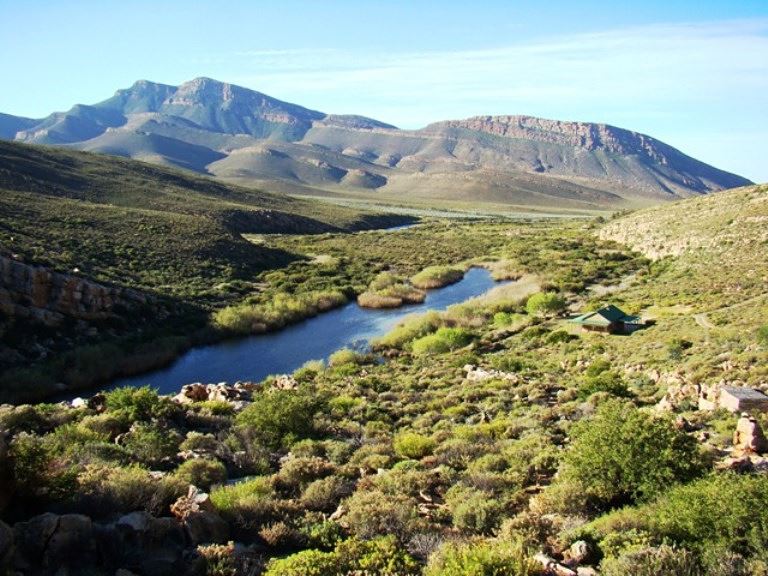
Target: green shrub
x=279, y=417
x=231, y=497
x=474, y=512
x=371, y=513
x=280, y=310
x=662, y=561
x=106, y=490
x=202, y=472
x=151, y=444
x=345, y=356
x=305, y=563
x=378, y=557
x=609, y=381
x=138, y=403
x=624, y=454
x=762, y=334
x=676, y=347
x=545, y=303
x=437, y=276
x=413, y=446
x=324, y=494
x=723, y=511
x=482, y=558
x=444, y=340
x=411, y=327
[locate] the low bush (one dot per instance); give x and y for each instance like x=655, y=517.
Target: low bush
x=230, y=498
x=151, y=444
x=410, y=328
x=413, y=446
x=278, y=418
x=106, y=490
x=545, y=303
x=372, y=513
x=624, y=454
x=280, y=310
x=444, y=340
x=377, y=557
x=482, y=558
x=437, y=277
x=138, y=403
x=202, y=472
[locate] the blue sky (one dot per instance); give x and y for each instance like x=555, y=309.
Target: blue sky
x=694, y=74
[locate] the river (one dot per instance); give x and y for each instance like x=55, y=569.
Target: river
x=254, y=357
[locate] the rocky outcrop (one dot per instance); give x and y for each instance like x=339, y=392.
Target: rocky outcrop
x=748, y=438
x=197, y=514
x=37, y=292
x=138, y=542
x=47, y=543
x=237, y=394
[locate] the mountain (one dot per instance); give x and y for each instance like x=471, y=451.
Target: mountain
x=250, y=138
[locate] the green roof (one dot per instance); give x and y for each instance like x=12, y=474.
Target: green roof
x=604, y=317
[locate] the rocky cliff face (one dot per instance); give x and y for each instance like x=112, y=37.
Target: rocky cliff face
x=576, y=134
x=38, y=293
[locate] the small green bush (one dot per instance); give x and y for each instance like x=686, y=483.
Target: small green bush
x=151, y=444
x=413, y=446
x=279, y=417
x=228, y=499
x=437, y=277
x=372, y=513
x=202, y=472
x=344, y=356
x=545, y=303
x=411, y=327
x=762, y=334
x=483, y=558
x=138, y=403
x=444, y=340
x=662, y=561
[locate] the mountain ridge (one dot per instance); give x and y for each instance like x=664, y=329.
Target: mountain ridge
x=248, y=137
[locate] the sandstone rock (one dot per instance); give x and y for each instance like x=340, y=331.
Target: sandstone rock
x=286, y=382
x=189, y=393
x=748, y=437
x=578, y=553
x=200, y=519
x=37, y=292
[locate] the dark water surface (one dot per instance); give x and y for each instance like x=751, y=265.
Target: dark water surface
x=254, y=357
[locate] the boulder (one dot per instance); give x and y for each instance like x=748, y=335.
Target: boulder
x=6, y=546
x=98, y=402
x=748, y=437
x=48, y=542
x=580, y=552
x=200, y=519
x=143, y=544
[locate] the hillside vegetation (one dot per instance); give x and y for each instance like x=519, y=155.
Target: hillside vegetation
x=491, y=438
x=175, y=238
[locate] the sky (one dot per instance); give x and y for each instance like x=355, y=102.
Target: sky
x=693, y=74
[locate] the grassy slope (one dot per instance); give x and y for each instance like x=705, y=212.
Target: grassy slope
x=105, y=216
x=707, y=286
x=123, y=222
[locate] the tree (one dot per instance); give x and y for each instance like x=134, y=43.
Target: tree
x=543, y=303
x=624, y=454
